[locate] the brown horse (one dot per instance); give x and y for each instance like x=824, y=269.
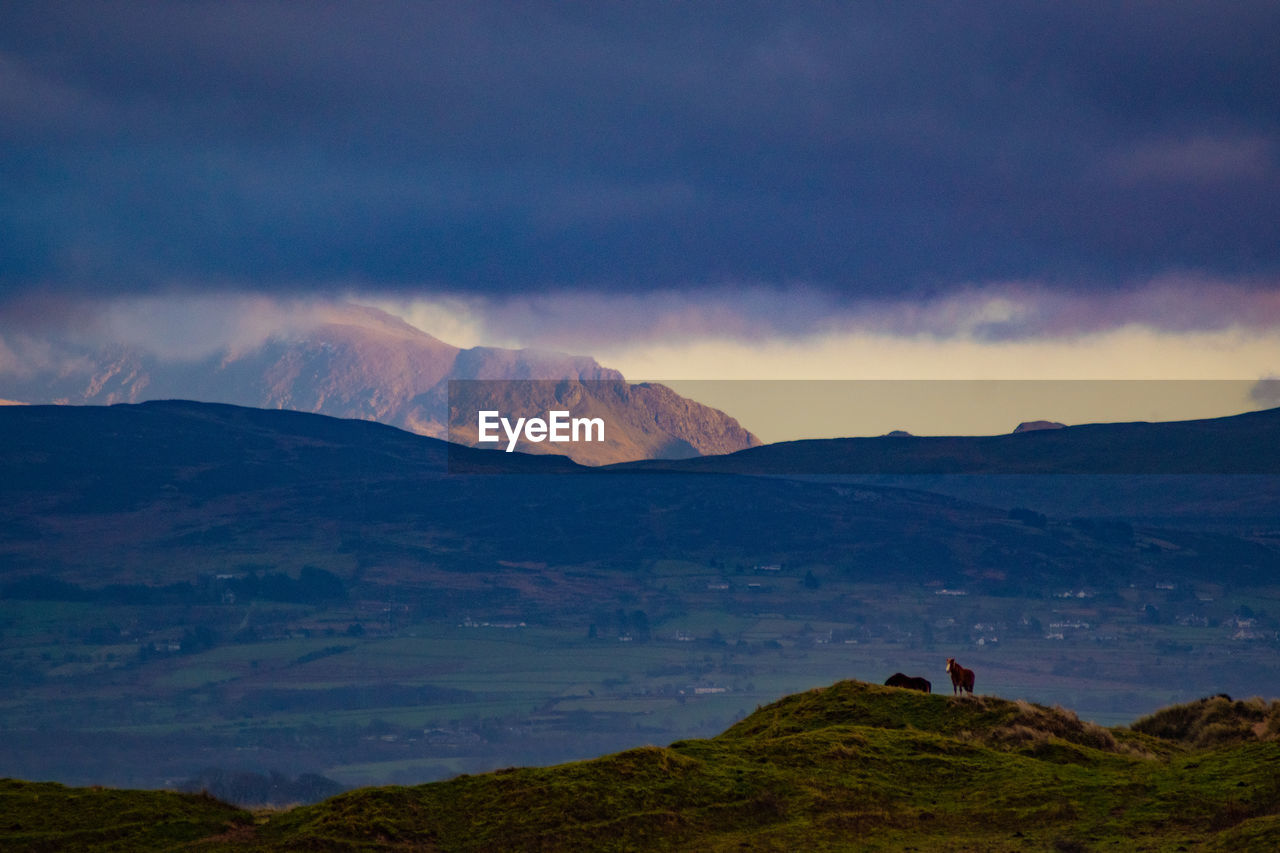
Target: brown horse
x=898, y=679
x=961, y=678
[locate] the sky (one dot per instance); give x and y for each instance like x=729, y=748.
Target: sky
x=684, y=191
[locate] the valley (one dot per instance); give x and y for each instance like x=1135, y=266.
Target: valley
x=189, y=587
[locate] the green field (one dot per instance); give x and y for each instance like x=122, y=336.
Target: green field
x=417, y=699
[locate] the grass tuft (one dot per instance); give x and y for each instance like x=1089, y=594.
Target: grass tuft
x=1214, y=720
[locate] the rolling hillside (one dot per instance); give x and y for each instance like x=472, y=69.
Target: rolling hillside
x=1214, y=474
x=848, y=767
x=153, y=493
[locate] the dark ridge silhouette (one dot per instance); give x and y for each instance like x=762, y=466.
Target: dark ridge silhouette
x=1239, y=444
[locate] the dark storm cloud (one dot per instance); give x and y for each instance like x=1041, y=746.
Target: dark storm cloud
x=865, y=150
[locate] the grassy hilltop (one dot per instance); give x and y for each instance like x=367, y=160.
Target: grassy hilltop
x=849, y=767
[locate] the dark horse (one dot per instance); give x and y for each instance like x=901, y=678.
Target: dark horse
x=961, y=678
x=909, y=682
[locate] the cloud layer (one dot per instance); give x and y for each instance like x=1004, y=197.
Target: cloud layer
x=987, y=313
x=765, y=339
x=852, y=157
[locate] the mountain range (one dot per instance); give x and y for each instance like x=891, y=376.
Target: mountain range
x=151, y=483
x=359, y=362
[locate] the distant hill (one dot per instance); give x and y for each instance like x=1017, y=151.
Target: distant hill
x=1211, y=474
x=848, y=767
x=1032, y=426
x=153, y=492
x=1239, y=444
x=359, y=362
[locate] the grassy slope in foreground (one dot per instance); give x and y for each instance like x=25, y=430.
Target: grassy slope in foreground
x=849, y=767
x=49, y=816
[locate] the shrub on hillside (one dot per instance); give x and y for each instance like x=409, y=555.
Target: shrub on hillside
x=1214, y=720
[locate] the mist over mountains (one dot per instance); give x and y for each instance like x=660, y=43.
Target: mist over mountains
x=358, y=362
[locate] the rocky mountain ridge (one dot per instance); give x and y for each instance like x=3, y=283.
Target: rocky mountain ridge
x=362, y=363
